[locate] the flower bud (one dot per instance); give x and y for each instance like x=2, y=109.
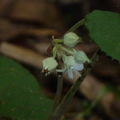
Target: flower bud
x=80, y=57
x=49, y=65
x=71, y=39
x=69, y=61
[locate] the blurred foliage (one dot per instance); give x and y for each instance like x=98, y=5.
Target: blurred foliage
x=20, y=95
x=104, y=30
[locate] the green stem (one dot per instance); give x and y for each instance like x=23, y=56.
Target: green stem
x=55, y=50
x=58, y=95
x=59, y=91
x=58, y=40
x=68, y=97
x=78, y=24
x=66, y=50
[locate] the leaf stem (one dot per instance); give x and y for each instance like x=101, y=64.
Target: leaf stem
x=78, y=24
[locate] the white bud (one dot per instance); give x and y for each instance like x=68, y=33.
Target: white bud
x=69, y=61
x=81, y=57
x=71, y=39
x=49, y=65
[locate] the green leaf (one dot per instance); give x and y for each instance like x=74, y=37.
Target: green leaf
x=104, y=30
x=20, y=96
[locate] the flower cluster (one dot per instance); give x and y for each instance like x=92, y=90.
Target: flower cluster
x=73, y=60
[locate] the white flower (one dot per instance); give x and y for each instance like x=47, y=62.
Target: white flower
x=49, y=65
x=72, y=67
x=71, y=39
x=81, y=57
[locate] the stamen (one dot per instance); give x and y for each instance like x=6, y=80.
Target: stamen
x=46, y=71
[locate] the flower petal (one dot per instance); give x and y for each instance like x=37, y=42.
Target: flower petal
x=70, y=73
x=69, y=61
x=78, y=67
x=77, y=73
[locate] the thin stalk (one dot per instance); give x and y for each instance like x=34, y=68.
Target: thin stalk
x=55, y=50
x=58, y=40
x=66, y=50
x=68, y=97
x=58, y=92
x=78, y=24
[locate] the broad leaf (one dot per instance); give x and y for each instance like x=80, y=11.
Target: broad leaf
x=104, y=30
x=20, y=96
